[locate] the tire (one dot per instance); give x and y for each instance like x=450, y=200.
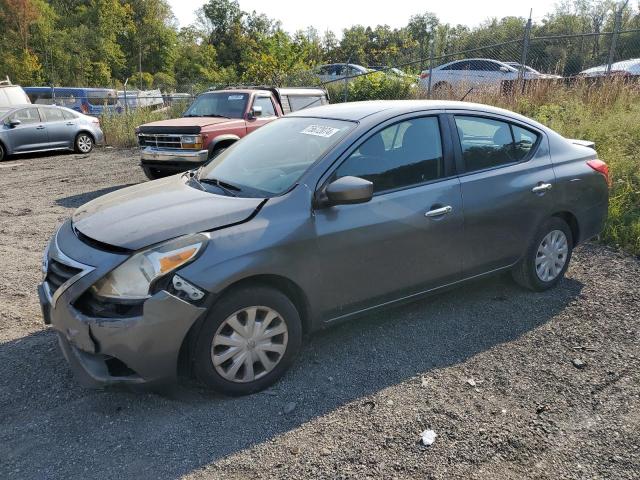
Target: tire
x=153, y=173
x=3, y=153
x=218, y=339
x=83, y=143
x=216, y=152
x=527, y=271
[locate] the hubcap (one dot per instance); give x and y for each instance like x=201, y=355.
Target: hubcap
x=249, y=344
x=551, y=256
x=84, y=143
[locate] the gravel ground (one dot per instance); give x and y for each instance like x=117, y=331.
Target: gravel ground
x=489, y=367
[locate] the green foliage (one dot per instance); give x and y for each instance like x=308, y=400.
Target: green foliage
x=376, y=86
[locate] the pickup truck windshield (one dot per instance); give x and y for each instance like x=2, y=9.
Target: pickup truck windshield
x=218, y=104
x=270, y=160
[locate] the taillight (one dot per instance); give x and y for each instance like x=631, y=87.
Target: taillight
x=424, y=75
x=600, y=167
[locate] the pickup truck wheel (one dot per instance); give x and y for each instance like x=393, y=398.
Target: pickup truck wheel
x=153, y=173
x=547, y=257
x=216, y=152
x=248, y=340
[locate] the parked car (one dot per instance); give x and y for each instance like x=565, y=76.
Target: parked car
x=213, y=122
x=473, y=72
x=315, y=218
x=12, y=94
x=624, y=68
x=35, y=128
x=339, y=71
x=141, y=99
x=91, y=101
x=532, y=70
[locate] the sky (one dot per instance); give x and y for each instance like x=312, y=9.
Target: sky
x=338, y=14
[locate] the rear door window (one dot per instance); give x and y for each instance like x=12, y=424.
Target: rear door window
x=488, y=143
x=69, y=115
x=52, y=114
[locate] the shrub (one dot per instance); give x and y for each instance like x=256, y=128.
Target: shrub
x=374, y=86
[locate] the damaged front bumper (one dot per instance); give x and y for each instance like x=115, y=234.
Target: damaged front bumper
x=140, y=349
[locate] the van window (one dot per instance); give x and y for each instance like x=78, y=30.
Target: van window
x=102, y=97
x=407, y=153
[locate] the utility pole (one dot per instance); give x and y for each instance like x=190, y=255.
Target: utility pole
x=525, y=50
x=614, y=38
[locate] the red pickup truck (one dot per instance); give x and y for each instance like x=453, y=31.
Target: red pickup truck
x=215, y=120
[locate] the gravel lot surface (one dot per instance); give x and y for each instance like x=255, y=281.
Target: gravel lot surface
x=515, y=384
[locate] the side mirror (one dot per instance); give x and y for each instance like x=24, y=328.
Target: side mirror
x=348, y=190
x=256, y=111
x=14, y=123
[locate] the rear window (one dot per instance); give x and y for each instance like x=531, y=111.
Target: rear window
x=300, y=102
x=13, y=95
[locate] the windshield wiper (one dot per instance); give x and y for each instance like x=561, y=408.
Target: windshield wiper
x=208, y=115
x=224, y=186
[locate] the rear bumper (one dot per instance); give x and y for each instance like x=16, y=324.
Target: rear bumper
x=172, y=159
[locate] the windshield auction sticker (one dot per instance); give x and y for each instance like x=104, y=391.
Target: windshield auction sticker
x=236, y=97
x=320, y=131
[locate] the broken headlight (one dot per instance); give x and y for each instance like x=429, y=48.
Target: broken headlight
x=132, y=279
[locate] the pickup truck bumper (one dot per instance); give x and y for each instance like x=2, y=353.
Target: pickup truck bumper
x=172, y=159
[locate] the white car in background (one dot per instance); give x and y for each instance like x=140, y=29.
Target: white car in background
x=472, y=72
x=338, y=71
x=625, y=68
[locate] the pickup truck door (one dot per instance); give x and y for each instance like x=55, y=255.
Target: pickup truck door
x=266, y=114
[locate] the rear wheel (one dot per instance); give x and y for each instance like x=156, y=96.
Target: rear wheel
x=248, y=341
x=547, y=257
x=84, y=143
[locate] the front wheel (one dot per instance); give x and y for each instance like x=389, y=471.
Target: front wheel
x=248, y=341
x=2, y=153
x=547, y=257
x=84, y=143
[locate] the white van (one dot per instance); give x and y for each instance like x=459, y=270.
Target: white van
x=12, y=94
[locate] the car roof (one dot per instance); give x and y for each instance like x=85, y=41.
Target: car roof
x=355, y=111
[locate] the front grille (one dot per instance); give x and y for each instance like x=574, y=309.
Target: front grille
x=159, y=140
x=58, y=273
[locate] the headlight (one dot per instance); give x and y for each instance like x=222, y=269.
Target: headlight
x=191, y=141
x=132, y=279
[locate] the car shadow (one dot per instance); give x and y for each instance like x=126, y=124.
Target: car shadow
x=53, y=428
x=74, y=201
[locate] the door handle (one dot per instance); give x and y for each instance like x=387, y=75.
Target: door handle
x=40, y=127
x=70, y=123
x=541, y=188
x=437, y=212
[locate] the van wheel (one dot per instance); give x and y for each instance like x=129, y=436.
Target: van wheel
x=248, y=341
x=547, y=257
x=83, y=143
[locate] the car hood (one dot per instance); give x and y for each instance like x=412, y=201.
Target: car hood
x=151, y=212
x=187, y=124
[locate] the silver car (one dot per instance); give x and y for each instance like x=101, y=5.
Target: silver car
x=36, y=128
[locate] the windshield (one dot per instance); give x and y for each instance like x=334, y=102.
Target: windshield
x=218, y=104
x=270, y=160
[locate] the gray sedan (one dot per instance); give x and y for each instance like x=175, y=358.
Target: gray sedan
x=36, y=128
x=315, y=218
